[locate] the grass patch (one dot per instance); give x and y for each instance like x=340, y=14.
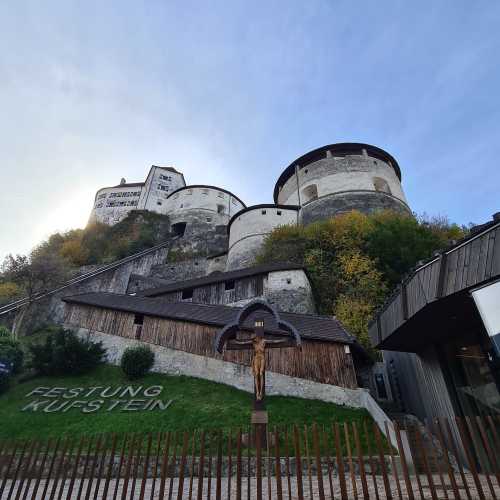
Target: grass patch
x=197, y=404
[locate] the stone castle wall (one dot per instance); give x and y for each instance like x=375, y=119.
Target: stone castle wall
x=248, y=230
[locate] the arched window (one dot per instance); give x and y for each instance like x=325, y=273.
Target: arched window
x=309, y=193
x=381, y=185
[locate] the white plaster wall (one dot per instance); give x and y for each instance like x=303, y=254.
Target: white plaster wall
x=204, y=200
x=248, y=231
x=334, y=175
x=102, y=212
x=290, y=291
x=255, y=222
x=148, y=196
x=159, y=184
x=278, y=281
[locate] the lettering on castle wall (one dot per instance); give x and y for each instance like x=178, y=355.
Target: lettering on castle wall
x=94, y=399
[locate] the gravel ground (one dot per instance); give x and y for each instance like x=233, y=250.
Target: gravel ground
x=308, y=488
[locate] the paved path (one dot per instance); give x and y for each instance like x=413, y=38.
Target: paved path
x=308, y=488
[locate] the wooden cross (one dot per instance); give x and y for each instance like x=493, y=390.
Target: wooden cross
x=258, y=342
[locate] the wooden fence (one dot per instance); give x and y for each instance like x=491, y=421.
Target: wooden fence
x=342, y=461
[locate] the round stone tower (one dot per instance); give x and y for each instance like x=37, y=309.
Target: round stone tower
x=199, y=214
x=248, y=228
x=339, y=178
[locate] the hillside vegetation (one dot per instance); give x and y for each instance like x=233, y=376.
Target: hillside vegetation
x=355, y=260
x=62, y=254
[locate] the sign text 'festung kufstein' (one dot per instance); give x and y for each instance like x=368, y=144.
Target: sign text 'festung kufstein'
x=92, y=399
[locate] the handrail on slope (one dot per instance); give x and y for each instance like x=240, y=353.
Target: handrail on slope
x=17, y=304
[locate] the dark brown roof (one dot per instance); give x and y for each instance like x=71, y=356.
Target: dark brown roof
x=310, y=326
x=343, y=148
x=218, y=277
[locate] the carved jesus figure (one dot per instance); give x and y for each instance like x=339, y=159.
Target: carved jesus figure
x=259, y=360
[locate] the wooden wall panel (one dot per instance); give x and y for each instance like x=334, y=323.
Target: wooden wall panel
x=324, y=362
x=216, y=293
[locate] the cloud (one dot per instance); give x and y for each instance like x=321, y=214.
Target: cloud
x=231, y=93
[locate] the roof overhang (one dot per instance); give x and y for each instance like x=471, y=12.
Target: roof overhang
x=437, y=322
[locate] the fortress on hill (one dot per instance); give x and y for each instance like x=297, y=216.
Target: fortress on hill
x=214, y=222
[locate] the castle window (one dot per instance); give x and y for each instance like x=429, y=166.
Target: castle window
x=309, y=193
x=179, y=229
x=209, y=219
x=138, y=322
x=158, y=202
x=289, y=280
x=220, y=195
x=381, y=185
x=374, y=162
x=306, y=171
x=229, y=285
x=263, y=212
x=187, y=294
x=220, y=209
x=279, y=212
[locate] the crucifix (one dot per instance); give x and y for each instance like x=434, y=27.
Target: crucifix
x=258, y=343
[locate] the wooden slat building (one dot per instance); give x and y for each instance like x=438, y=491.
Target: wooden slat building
x=193, y=327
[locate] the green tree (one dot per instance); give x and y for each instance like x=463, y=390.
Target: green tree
x=354, y=260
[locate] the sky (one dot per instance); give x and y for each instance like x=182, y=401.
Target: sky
x=231, y=92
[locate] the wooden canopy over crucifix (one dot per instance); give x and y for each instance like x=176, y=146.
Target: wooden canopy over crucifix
x=286, y=336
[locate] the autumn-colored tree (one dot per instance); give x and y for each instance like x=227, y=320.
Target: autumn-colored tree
x=74, y=251
x=9, y=291
x=354, y=259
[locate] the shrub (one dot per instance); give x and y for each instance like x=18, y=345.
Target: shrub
x=4, y=382
x=64, y=353
x=10, y=350
x=137, y=361
x=4, y=332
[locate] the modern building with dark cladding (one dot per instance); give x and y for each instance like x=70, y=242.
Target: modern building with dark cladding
x=440, y=331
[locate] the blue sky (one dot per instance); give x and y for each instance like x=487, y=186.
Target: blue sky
x=231, y=92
